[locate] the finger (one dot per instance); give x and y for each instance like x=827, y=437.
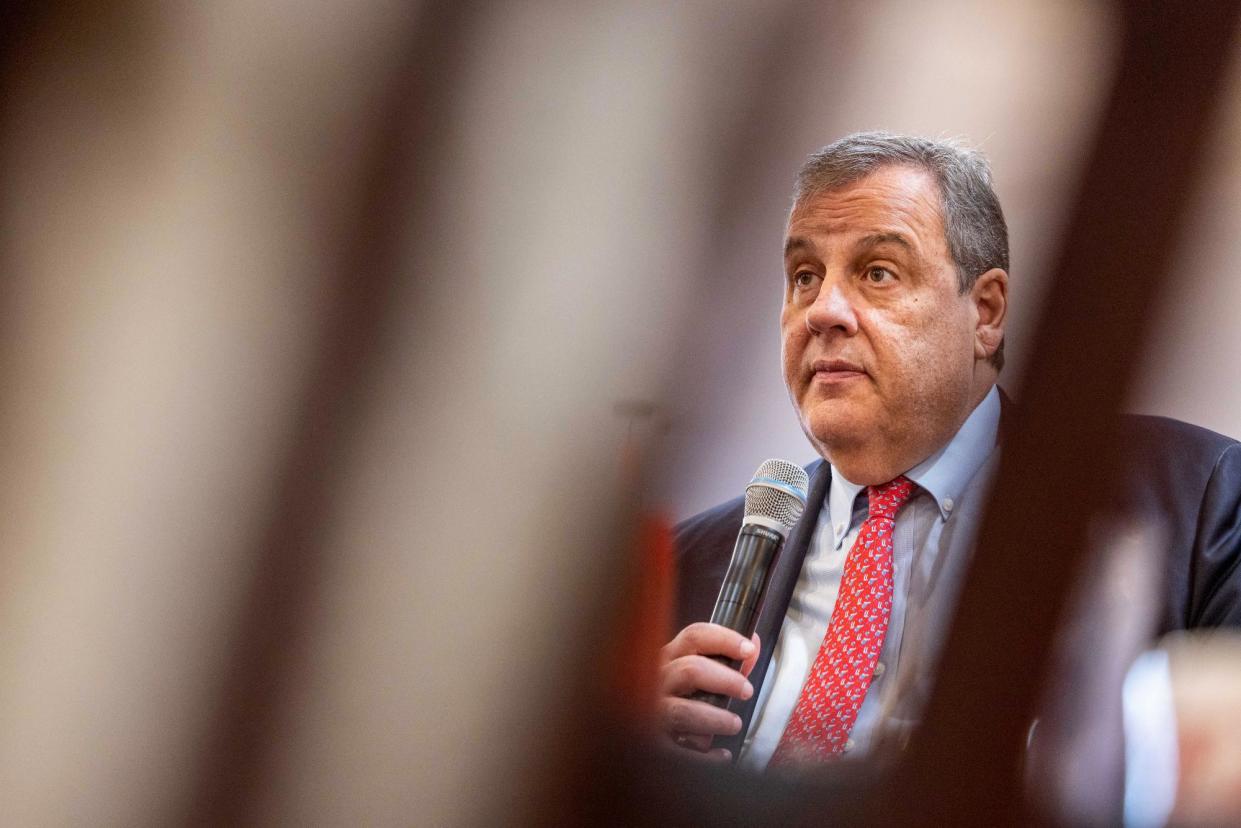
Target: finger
x=688, y=717
x=703, y=638
x=692, y=673
x=748, y=664
x=693, y=741
x=714, y=756
x=688, y=747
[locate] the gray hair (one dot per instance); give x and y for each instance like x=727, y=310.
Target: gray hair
x=973, y=221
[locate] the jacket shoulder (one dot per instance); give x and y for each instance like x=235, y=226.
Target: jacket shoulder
x=1164, y=433
x=1171, y=462
x=1191, y=476
x=704, y=545
x=692, y=531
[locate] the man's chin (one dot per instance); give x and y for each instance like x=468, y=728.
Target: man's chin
x=836, y=434
x=852, y=449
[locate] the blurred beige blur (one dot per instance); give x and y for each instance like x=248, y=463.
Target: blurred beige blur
x=608, y=190
x=1205, y=671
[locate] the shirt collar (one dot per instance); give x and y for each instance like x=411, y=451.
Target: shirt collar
x=944, y=474
x=840, y=498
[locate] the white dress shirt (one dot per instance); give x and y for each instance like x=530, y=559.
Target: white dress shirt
x=941, y=482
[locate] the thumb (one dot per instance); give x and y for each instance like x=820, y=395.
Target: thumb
x=748, y=664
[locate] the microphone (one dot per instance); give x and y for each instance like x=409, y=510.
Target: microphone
x=774, y=501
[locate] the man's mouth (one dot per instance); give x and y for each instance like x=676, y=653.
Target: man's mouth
x=835, y=370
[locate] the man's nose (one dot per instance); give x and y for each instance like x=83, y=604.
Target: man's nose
x=830, y=310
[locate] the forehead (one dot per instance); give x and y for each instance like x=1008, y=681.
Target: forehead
x=895, y=199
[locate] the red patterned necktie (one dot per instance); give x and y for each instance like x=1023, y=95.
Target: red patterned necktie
x=843, y=669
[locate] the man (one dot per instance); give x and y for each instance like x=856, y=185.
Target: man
x=895, y=299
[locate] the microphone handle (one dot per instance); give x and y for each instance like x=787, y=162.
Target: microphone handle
x=741, y=595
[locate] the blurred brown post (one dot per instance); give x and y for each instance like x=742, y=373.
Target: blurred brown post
x=1062, y=453
x=271, y=632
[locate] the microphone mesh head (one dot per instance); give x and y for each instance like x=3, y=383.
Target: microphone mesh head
x=778, y=492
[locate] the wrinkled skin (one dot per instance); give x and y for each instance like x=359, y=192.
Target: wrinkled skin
x=883, y=357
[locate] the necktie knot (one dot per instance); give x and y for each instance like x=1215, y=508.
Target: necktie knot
x=887, y=498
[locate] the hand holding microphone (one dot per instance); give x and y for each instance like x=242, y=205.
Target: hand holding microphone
x=706, y=664
x=694, y=662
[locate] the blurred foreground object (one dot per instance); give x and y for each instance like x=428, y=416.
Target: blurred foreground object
x=1205, y=672
x=314, y=317
x=1076, y=756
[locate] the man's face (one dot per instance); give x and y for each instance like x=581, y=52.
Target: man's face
x=879, y=348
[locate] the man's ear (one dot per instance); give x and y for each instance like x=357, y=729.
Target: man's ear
x=990, y=297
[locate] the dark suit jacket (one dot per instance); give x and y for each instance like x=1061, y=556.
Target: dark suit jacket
x=1188, y=475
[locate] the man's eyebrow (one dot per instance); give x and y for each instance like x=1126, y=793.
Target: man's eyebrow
x=796, y=244
x=876, y=239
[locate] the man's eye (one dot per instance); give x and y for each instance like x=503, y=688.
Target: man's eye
x=803, y=279
x=879, y=274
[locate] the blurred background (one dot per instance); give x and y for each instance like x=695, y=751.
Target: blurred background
x=337, y=337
